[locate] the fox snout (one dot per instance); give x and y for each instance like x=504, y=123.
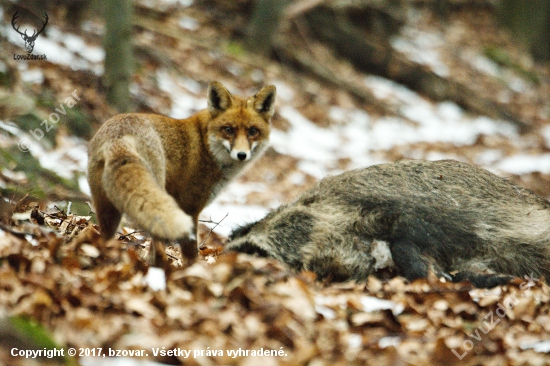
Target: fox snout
x=240, y=155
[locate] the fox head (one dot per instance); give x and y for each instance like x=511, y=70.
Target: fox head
x=239, y=128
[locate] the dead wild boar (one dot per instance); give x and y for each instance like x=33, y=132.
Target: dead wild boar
x=460, y=221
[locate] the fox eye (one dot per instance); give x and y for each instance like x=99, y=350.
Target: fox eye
x=253, y=131
x=228, y=130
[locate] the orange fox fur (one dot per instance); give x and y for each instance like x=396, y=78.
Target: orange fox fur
x=162, y=172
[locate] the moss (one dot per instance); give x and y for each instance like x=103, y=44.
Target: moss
x=32, y=122
x=42, y=182
x=34, y=334
x=78, y=122
x=500, y=56
x=235, y=49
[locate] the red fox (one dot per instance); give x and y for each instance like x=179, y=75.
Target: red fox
x=162, y=171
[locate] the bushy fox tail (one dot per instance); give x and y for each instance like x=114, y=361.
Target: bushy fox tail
x=146, y=202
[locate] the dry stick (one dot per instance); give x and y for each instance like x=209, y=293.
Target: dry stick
x=127, y=235
x=212, y=229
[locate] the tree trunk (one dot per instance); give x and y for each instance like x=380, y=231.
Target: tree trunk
x=119, y=62
x=264, y=24
x=529, y=21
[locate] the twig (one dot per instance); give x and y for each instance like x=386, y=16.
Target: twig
x=212, y=229
x=171, y=256
x=209, y=221
x=125, y=236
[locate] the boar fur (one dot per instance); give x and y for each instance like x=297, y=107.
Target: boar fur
x=455, y=219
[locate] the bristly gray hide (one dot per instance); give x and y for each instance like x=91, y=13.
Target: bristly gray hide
x=458, y=220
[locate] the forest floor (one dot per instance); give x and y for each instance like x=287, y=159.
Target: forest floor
x=60, y=287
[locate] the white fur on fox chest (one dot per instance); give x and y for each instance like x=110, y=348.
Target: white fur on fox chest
x=230, y=167
x=229, y=172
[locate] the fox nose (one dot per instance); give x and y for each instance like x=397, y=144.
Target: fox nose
x=241, y=156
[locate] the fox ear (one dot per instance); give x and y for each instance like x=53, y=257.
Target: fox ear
x=264, y=101
x=219, y=98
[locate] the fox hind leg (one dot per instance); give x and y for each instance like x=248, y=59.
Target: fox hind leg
x=108, y=218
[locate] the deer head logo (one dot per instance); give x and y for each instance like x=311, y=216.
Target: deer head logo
x=29, y=40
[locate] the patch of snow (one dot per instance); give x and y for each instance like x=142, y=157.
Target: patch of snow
x=188, y=23
x=316, y=170
x=155, y=279
x=297, y=178
x=93, y=27
x=372, y=304
x=421, y=47
x=33, y=76
x=482, y=64
x=304, y=139
x=386, y=342
x=517, y=84
x=235, y=69
x=184, y=3
x=524, y=164
x=325, y=311
x=284, y=91
x=191, y=85
x=83, y=185
x=237, y=214
x=66, y=160
x=383, y=88
x=355, y=340
x=540, y=347
x=441, y=122
x=257, y=75
x=437, y=155
x=488, y=157
x=545, y=132
x=78, y=46
x=318, y=147
x=11, y=128
x=238, y=194
x=183, y=104
x=22, y=216
x=16, y=176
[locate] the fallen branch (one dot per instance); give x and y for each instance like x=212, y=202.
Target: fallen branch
x=212, y=229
